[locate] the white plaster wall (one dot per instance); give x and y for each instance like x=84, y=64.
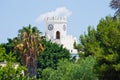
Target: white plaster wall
x=66, y=40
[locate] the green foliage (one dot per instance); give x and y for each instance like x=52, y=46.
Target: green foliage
x=66, y=70
x=9, y=72
x=2, y=54
x=86, y=69
x=51, y=55
x=109, y=34
x=90, y=43
x=9, y=48
x=78, y=47
x=6, y=57
x=104, y=43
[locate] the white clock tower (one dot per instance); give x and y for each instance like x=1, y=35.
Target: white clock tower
x=56, y=31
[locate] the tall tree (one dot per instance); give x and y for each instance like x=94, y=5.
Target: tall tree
x=115, y=4
x=28, y=44
x=50, y=56
x=104, y=43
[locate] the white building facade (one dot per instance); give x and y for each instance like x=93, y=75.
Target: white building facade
x=56, y=31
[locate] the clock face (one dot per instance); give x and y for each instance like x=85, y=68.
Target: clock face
x=50, y=27
x=64, y=27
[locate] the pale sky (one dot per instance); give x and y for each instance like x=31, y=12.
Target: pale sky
x=14, y=14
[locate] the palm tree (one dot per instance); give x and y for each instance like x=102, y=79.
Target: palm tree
x=28, y=44
x=115, y=4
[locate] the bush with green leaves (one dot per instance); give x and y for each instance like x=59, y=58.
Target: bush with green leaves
x=9, y=72
x=9, y=68
x=66, y=70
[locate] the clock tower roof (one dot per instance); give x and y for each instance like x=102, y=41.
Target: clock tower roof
x=56, y=19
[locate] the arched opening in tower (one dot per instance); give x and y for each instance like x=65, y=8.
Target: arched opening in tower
x=57, y=35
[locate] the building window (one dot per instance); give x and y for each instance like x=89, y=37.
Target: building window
x=57, y=35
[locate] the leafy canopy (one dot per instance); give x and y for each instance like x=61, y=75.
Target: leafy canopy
x=104, y=43
x=50, y=56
